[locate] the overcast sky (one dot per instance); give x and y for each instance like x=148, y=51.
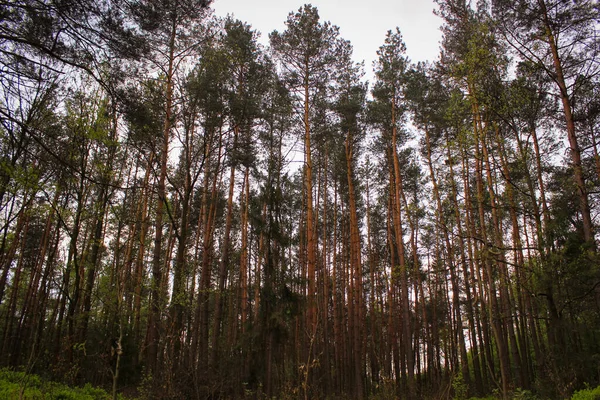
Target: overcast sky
x=363, y=22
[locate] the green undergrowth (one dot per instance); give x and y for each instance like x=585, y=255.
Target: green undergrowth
x=18, y=385
x=585, y=394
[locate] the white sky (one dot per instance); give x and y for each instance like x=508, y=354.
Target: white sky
x=363, y=22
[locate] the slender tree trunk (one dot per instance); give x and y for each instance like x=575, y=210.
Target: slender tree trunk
x=519, y=358
x=244, y=250
x=142, y=212
x=31, y=310
x=310, y=229
x=207, y=254
x=356, y=265
x=467, y=277
x=495, y=310
x=406, y=328
x=73, y=266
x=154, y=318
x=443, y=226
x=9, y=256
x=97, y=242
x=588, y=229
x=10, y=343
x=224, y=263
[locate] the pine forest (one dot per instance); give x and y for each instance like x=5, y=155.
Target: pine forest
x=186, y=213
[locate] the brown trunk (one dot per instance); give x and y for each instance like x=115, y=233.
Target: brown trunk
x=310, y=228
x=199, y=254
x=92, y=261
x=325, y=282
x=506, y=313
x=595, y=150
x=468, y=276
x=541, y=243
x=31, y=310
x=73, y=266
x=406, y=326
x=394, y=368
x=224, y=264
x=8, y=258
x=542, y=187
x=356, y=266
x=139, y=263
x=519, y=358
x=337, y=312
x=154, y=317
x=475, y=269
x=375, y=328
x=451, y=263
x=244, y=251
x=11, y=344
x=588, y=230
x=210, y=209
x=178, y=297
x=495, y=312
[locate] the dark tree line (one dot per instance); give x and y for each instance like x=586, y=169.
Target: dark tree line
x=187, y=214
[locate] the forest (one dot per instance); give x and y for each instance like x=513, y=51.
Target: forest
x=188, y=214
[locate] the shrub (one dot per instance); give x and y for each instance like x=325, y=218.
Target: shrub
x=587, y=394
x=15, y=383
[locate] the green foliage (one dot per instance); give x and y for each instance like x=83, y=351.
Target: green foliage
x=521, y=394
x=385, y=390
x=14, y=385
x=518, y=394
x=460, y=387
x=587, y=394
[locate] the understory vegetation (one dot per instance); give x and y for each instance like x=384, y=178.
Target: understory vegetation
x=18, y=385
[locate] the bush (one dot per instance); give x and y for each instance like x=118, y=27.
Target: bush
x=587, y=394
x=13, y=384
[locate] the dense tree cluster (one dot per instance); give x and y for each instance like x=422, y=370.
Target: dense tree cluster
x=186, y=214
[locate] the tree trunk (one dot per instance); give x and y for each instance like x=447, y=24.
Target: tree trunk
x=356, y=266
x=406, y=326
x=588, y=229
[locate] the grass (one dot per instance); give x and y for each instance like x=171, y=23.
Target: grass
x=18, y=385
